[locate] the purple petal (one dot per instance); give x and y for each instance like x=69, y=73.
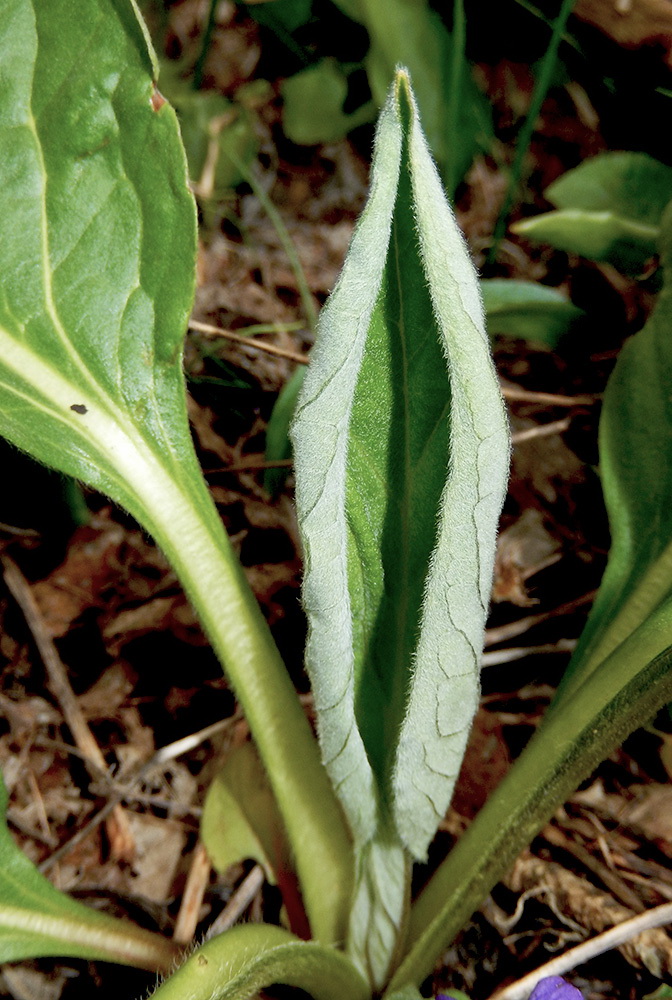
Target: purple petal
x=555, y=988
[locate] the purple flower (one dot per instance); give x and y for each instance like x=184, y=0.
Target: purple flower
x=555, y=988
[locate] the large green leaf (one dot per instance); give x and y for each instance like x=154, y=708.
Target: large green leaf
x=38, y=920
x=401, y=453
x=635, y=443
x=609, y=208
x=97, y=253
x=85, y=222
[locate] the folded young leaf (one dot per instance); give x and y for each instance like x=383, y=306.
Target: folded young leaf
x=401, y=449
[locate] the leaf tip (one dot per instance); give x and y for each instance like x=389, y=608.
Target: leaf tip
x=403, y=90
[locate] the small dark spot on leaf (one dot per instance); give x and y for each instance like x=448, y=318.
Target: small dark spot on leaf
x=202, y=960
x=79, y=408
x=157, y=100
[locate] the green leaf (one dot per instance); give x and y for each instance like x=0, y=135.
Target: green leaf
x=631, y=185
x=621, y=672
x=635, y=441
x=249, y=958
x=97, y=252
x=282, y=16
x=401, y=462
x=610, y=209
x=526, y=310
x=410, y=33
x=313, y=105
x=37, y=920
x=240, y=818
x=83, y=219
x=278, y=445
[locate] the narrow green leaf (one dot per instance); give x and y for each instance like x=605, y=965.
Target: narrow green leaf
x=635, y=441
x=636, y=681
x=97, y=252
x=626, y=243
x=239, y=964
x=526, y=310
x=37, y=920
x=278, y=445
x=401, y=460
x=610, y=209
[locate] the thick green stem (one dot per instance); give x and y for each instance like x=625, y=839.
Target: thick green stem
x=177, y=509
x=613, y=702
x=214, y=580
x=249, y=958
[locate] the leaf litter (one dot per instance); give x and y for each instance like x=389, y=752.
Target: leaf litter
x=139, y=668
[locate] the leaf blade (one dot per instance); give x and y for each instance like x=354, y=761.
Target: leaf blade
x=384, y=497
x=37, y=920
x=634, y=439
x=90, y=356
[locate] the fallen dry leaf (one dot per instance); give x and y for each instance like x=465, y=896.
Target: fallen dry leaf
x=523, y=549
x=576, y=899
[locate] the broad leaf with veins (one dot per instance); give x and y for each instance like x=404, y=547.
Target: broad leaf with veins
x=97, y=255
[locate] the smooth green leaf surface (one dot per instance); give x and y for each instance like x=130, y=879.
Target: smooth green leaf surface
x=401, y=459
x=240, y=963
x=635, y=441
x=610, y=209
x=526, y=310
x=240, y=818
x=278, y=445
x=37, y=920
x=631, y=185
x=313, y=105
x=97, y=253
x=83, y=219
